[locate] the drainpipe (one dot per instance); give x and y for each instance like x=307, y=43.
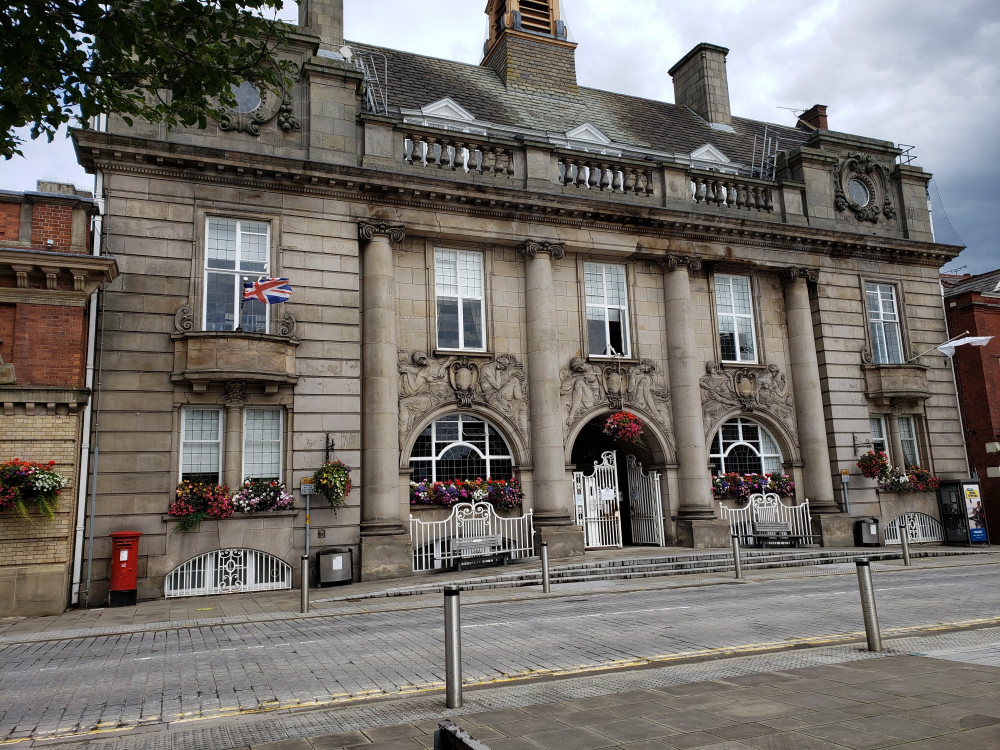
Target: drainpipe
x=88, y=411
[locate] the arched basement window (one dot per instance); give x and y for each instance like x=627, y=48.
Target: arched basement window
x=460, y=446
x=743, y=446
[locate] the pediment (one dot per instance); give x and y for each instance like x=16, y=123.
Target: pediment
x=447, y=109
x=709, y=153
x=589, y=134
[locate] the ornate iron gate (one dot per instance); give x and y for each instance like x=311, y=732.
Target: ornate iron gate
x=645, y=506
x=228, y=571
x=922, y=528
x=597, y=507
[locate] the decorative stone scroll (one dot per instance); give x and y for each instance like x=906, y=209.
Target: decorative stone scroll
x=585, y=385
x=257, y=105
x=750, y=389
x=426, y=382
x=368, y=229
x=861, y=185
x=672, y=262
x=795, y=273
x=184, y=322
x=235, y=393
x=530, y=248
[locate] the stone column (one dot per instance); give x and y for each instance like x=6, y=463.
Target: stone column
x=552, y=498
x=697, y=523
x=807, y=392
x=385, y=550
x=235, y=398
x=895, y=441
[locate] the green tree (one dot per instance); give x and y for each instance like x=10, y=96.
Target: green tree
x=168, y=61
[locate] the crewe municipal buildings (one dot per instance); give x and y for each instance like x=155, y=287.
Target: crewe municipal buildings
x=487, y=261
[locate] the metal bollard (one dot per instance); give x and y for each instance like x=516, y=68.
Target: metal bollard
x=452, y=647
x=868, y=603
x=737, y=563
x=305, y=584
x=546, y=586
x=904, y=539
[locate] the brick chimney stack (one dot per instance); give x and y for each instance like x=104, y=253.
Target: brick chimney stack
x=700, y=82
x=815, y=117
x=325, y=19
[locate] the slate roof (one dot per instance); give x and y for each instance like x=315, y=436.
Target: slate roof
x=414, y=81
x=984, y=282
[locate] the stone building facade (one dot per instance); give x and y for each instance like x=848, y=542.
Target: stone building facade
x=972, y=304
x=487, y=261
x=47, y=279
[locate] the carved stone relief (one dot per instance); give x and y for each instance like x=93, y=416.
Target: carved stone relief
x=426, y=382
x=861, y=185
x=235, y=393
x=748, y=388
x=256, y=105
x=640, y=385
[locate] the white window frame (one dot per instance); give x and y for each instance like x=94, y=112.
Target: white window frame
x=908, y=424
x=218, y=441
x=279, y=442
x=444, y=447
x=883, y=323
x=602, y=306
x=775, y=458
x=242, y=269
x=460, y=297
x=736, y=317
x=880, y=442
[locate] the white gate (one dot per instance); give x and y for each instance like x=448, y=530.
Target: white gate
x=597, y=507
x=767, y=508
x=434, y=541
x=922, y=528
x=645, y=508
x=228, y=571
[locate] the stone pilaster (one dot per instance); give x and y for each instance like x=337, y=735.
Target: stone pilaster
x=235, y=398
x=385, y=551
x=896, y=457
x=696, y=505
x=808, y=395
x=550, y=486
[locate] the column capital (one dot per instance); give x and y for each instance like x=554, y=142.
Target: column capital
x=795, y=273
x=531, y=248
x=370, y=228
x=671, y=262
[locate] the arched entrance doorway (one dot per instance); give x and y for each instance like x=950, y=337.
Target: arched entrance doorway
x=616, y=501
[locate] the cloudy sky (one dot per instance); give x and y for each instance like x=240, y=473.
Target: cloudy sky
x=918, y=72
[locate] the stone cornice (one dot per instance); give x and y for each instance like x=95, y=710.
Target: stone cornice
x=132, y=155
x=42, y=400
x=48, y=278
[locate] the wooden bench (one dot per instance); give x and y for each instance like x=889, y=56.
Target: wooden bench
x=765, y=533
x=479, y=552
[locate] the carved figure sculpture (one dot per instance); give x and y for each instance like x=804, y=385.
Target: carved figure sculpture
x=501, y=384
x=423, y=383
x=582, y=385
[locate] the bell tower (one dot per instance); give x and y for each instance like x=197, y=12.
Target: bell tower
x=528, y=46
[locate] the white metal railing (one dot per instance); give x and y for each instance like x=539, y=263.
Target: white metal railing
x=597, y=503
x=433, y=540
x=227, y=571
x=645, y=504
x=767, y=508
x=921, y=527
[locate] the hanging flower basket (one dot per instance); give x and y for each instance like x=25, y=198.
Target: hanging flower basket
x=197, y=501
x=873, y=464
x=24, y=484
x=626, y=427
x=262, y=496
x=333, y=481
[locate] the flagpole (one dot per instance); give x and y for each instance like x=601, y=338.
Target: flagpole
x=239, y=320
x=953, y=338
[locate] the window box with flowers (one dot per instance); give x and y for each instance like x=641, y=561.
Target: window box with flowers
x=198, y=501
x=875, y=465
x=502, y=494
x=740, y=486
x=27, y=486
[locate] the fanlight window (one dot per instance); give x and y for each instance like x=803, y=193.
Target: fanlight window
x=743, y=446
x=460, y=446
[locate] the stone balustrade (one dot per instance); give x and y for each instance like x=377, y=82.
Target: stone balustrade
x=731, y=191
x=458, y=153
x=593, y=172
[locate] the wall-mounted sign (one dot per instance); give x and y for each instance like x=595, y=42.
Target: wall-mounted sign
x=306, y=486
x=974, y=512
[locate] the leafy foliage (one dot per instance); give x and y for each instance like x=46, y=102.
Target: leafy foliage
x=24, y=483
x=197, y=501
x=168, y=61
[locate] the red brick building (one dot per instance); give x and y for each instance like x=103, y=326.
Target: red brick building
x=47, y=278
x=973, y=304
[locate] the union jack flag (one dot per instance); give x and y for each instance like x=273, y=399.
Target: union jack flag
x=268, y=291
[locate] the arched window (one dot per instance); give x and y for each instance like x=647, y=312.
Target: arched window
x=743, y=446
x=460, y=446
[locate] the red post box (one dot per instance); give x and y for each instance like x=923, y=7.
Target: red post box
x=124, y=568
